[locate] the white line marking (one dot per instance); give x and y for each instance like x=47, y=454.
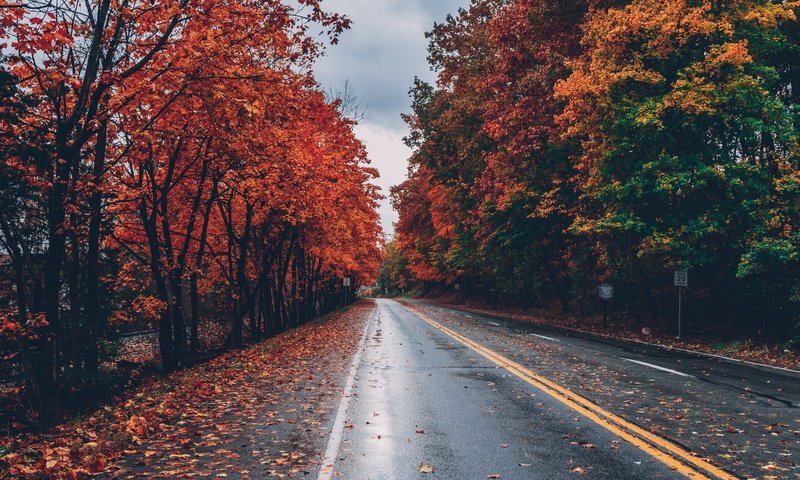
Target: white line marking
x=699, y=353
x=495, y=324
x=675, y=372
x=728, y=359
x=546, y=338
x=468, y=315
x=337, y=431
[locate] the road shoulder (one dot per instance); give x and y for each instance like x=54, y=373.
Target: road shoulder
x=788, y=362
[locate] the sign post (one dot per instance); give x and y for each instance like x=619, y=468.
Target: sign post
x=606, y=292
x=681, y=281
x=346, y=287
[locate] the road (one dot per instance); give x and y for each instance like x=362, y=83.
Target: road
x=474, y=397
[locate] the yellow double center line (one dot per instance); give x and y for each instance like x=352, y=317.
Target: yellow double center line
x=675, y=457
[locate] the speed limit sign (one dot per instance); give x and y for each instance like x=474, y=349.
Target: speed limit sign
x=682, y=277
x=605, y=291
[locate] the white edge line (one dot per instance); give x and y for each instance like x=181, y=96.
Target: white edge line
x=657, y=345
x=546, y=338
x=495, y=324
x=730, y=359
x=337, y=431
x=663, y=369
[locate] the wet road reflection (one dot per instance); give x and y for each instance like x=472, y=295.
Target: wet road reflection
x=423, y=401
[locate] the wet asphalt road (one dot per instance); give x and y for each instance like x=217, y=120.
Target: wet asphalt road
x=777, y=385
x=423, y=398
x=741, y=417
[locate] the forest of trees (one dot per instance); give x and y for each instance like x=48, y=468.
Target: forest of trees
x=570, y=142
x=166, y=163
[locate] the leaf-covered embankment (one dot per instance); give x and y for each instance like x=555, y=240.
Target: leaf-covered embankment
x=249, y=412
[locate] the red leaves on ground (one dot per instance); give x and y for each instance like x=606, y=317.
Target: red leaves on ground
x=171, y=415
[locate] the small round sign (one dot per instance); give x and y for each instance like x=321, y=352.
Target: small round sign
x=605, y=291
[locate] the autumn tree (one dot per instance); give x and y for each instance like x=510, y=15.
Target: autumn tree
x=688, y=125
x=394, y=276
x=146, y=148
x=450, y=148
x=567, y=143
x=499, y=171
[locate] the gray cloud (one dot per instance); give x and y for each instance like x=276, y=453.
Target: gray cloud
x=383, y=51
x=380, y=56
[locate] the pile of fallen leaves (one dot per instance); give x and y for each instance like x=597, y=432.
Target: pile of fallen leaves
x=772, y=355
x=91, y=445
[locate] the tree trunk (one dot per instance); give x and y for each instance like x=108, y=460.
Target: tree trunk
x=47, y=366
x=75, y=323
x=242, y=281
x=194, y=343
x=93, y=321
x=557, y=286
x=178, y=321
x=166, y=342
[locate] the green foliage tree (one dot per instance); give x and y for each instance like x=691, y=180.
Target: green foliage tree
x=688, y=141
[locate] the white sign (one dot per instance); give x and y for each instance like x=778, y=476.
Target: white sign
x=457, y=286
x=682, y=277
x=605, y=291
x=346, y=281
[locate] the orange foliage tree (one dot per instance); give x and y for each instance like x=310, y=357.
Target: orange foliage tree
x=170, y=161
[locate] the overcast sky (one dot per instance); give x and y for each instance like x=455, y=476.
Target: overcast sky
x=380, y=56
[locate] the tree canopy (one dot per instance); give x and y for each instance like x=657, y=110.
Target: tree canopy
x=175, y=163
x=569, y=143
